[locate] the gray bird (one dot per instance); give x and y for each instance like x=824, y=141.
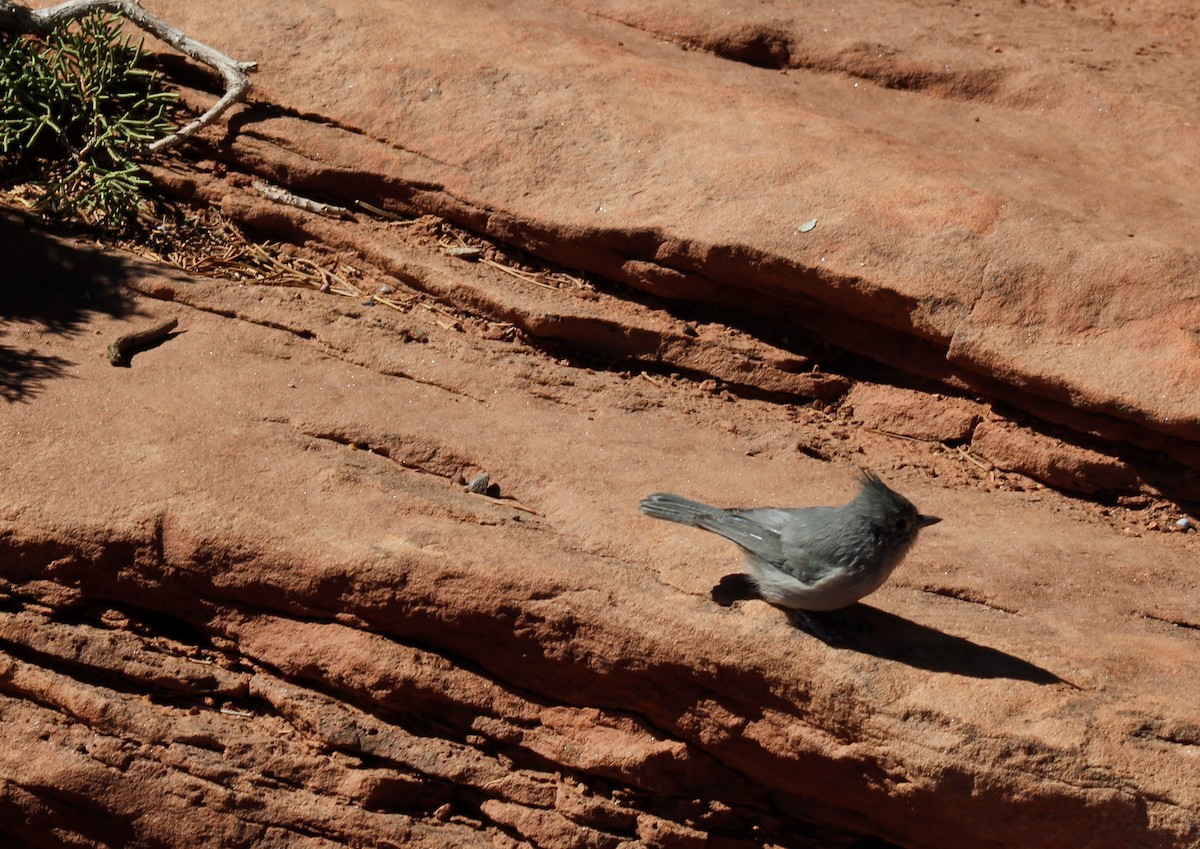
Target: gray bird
x=811, y=558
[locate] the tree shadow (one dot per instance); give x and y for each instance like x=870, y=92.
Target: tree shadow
x=869, y=630
x=51, y=285
x=23, y=373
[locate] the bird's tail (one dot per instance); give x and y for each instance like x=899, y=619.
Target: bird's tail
x=675, y=508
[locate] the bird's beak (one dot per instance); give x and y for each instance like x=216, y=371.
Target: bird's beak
x=926, y=521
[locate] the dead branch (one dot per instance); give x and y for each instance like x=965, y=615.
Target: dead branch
x=284, y=196
x=19, y=19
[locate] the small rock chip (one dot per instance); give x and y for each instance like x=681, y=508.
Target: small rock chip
x=479, y=485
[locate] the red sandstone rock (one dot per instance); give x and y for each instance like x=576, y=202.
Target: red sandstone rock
x=914, y=414
x=247, y=602
x=1003, y=198
x=1068, y=467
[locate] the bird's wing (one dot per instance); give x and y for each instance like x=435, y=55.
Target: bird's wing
x=758, y=539
x=796, y=531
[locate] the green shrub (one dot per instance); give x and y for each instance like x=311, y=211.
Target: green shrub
x=75, y=111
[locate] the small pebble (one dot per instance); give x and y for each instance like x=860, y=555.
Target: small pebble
x=385, y=289
x=325, y=287
x=479, y=485
x=1184, y=524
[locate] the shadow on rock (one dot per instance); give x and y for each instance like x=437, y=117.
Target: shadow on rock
x=896, y=638
x=55, y=285
x=875, y=632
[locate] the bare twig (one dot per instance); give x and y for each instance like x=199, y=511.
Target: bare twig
x=14, y=18
x=284, y=196
x=383, y=213
x=895, y=435
x=967, y=455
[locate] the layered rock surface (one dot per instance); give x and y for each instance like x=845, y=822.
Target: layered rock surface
x=246, y=600
x=1003, y=197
